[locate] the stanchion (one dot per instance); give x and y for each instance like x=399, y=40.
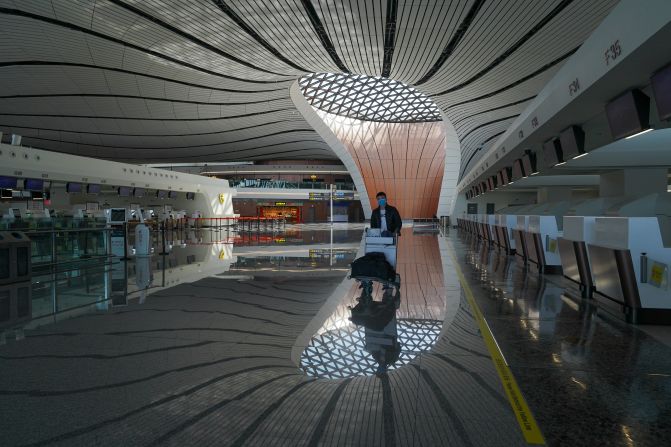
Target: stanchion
x=125, y=242
x=163, y=252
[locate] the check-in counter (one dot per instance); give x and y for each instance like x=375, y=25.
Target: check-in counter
x=470, y=220
x=484, y=228
x=465, y=223
x=630, y=259
x=475, y=223
x=545, y=228
x=505, y=223
x=578, y=232
x=518, y=236
x=483, y=231
x=469, y=224
x=541, y=238
x=490, y=220
x=508, y=219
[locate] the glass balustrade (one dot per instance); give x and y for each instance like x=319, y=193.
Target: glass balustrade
x=61, y=239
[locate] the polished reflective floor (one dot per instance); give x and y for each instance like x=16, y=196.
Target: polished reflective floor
x=589, y=378
x=246, y=340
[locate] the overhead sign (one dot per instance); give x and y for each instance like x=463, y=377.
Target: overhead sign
x=319, y=196
x=343, y=195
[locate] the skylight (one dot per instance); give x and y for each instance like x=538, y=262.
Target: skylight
x=368, y=98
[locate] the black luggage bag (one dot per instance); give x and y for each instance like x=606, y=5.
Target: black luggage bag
x=373, y=265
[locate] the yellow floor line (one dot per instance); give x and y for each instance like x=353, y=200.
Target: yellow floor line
x=530, y=430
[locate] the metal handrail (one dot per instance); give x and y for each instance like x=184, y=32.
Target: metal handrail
x=282, y=184
x=73, y=261
x=64, y=230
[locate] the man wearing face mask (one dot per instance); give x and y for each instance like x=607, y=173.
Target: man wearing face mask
x=385, y=217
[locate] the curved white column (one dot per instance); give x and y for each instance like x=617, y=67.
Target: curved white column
x=334, y=143
x=448, y=188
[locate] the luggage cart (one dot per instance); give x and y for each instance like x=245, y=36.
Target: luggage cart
x=375, y=243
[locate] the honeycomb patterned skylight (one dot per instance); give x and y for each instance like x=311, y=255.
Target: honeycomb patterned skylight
x=368, y=98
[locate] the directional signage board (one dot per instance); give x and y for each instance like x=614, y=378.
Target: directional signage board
x=319, y=196
x=343, y=195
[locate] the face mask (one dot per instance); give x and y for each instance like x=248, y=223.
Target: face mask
x=382, y=202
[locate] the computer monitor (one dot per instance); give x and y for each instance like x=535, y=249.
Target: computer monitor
x=572, y=141
x=661, y=91
x=628, y=114
x=118, y=215
x=33, y=184
x=93, y=188
x=518, y=169
x=7, y=182
x=529, y=163
x=552, y=152
x=73, y=187
x=507, y=175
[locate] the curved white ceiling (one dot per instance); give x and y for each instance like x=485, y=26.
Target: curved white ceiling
x=208, y=80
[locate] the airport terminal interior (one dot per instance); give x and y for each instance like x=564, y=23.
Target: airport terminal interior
x=335, y=223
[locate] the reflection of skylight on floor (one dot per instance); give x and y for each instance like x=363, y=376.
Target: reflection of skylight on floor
x=368, y=98
x=341, y=351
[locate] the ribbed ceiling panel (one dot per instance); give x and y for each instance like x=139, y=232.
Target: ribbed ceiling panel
x=209, y=79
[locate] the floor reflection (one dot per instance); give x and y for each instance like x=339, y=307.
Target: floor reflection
x=589, y=377
x=371, y=335
x=202, y=346
x=102, y=284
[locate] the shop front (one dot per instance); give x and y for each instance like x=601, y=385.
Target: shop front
x=291, y=211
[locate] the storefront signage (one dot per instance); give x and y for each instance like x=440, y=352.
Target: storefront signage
x=283, y=203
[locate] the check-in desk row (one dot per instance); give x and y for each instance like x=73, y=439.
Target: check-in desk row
x=620, y=256
x=533, y=239
x=623, y=257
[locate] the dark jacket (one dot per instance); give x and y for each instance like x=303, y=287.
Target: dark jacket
x=392, y=216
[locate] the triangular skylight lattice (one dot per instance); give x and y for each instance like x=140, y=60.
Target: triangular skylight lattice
x=368, y=98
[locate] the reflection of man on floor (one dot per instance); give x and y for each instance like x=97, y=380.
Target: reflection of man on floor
x=383, y=347
x=385, y=217
x=378, y=319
